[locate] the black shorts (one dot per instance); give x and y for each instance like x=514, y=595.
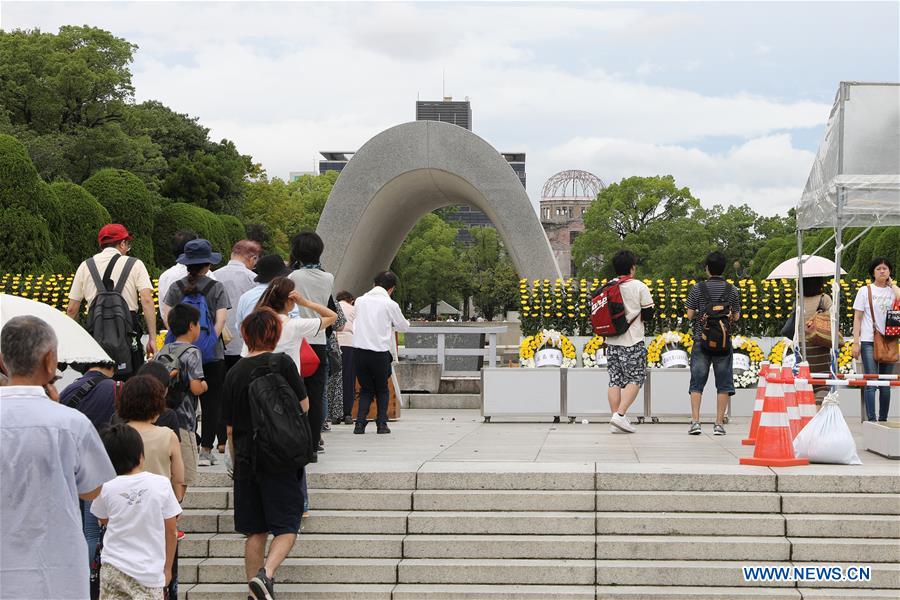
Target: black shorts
x=270, y=503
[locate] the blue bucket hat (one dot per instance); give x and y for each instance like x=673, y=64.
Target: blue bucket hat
x=199, y=252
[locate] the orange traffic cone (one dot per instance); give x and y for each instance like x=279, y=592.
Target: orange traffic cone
x=790, y=400
x=758, y=405
x=806, y=399
x=774, y=446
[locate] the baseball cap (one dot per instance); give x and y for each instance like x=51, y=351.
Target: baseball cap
x=112, y=233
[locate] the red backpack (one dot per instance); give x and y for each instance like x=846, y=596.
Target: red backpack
x=608, y=309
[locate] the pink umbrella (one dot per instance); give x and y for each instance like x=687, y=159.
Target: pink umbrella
x=813, y=266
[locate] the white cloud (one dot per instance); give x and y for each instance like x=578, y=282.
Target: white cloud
x=768, y=173
x=285, y=80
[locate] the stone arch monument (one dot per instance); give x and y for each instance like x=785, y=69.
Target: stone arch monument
x=409, y=170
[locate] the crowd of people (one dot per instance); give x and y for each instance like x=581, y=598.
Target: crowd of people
x=260, y=357
x=713, y=306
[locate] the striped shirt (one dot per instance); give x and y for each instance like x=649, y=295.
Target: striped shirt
x=716, y=287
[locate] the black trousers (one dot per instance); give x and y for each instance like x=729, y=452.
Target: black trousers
x=315, y=391
x=373, y=370
x=349, y=375
x=211, y=404
x=230, y=361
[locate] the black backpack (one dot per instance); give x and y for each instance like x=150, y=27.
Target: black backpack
x=109, y=319
x=281, y=438
x=715, y=332
x=170, y=358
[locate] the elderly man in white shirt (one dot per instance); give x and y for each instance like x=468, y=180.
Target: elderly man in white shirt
x=377, y=316
x=52, y=456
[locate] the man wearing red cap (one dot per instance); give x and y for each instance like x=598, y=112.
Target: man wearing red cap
x=136, y=290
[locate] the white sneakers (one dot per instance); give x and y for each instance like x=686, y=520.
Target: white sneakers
x=620, y=423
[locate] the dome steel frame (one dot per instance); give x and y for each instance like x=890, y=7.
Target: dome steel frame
x=557, y=187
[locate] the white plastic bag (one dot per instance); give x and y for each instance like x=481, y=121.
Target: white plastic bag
x=826, y=438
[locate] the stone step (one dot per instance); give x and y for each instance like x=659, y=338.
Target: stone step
x=842, y=594
x=694, y=593
x=319, y=521
x=727, y=573
x=304, y=570
x=411, y=591
x=669, y=501
x=443, y=401
x=689, y=524
x=502, y=500
x=851, y=504
x=668, y=547
x=684, y=478
x=504, y=476
x=496, y=572
x=499, y=546
x=859, y=550
x=877, y=479
x=315, y=545
x=510, y=523
x=460, y=385
x=208, y=498
x=337, y=499
x=844, y=526
x=293, y=591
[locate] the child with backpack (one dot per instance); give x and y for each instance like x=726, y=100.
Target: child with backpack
x=618, y=312
x=713, y=305
x=270, y=440
x=210, y=298
x=184, y=363
x=139, y=510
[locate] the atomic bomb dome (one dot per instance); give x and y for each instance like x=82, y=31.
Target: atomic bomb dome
x=564, y=200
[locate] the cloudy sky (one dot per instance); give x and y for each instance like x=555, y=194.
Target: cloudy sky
x=730, y=98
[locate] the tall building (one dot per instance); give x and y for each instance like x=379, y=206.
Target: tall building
x=460, y=113
x=334, y=161
x=564, y=199
x=446, y=110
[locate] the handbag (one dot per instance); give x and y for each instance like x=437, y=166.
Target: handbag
x=892, y=320
x=309, y=360
x=818, y=329
x=887, y=350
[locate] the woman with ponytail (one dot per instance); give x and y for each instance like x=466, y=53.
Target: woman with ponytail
x=211, y=299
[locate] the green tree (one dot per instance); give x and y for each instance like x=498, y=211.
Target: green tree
x=270, y=205
x=493, y=278
x=312, y=192
x=629, y=214
x=234, y=229
x=130, y=203
x=428, y=265
x=27, y=233
x=83, y=218
x=180, y=215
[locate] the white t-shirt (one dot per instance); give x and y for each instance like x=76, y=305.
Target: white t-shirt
x=135, y=540
x=882, y=300
x=293, y=330
x=635, y=296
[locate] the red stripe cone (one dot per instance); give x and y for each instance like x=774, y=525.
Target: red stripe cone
x=790, y=400
x=774, y=445
x=758, y=404
x=806, y=399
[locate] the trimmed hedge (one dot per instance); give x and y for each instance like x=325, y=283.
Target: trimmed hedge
x=84, y=217
x=129, y=202
x=19, y=181
x=180, y=215
x=235, y=229
x=26, y=240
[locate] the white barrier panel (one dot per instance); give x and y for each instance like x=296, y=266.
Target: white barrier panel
x=586, y=393
x=520, y=392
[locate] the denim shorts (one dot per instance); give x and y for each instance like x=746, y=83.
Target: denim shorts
x=722, y=368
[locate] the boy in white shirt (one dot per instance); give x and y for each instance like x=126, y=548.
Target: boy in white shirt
x=139, y=511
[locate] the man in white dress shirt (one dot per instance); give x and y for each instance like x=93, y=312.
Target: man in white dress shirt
x=377, y=316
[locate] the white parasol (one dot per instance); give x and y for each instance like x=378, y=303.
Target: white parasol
x=813, y=266
x=75, y=344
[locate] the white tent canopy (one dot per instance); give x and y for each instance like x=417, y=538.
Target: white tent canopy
x=443, y=308
x=855, y=178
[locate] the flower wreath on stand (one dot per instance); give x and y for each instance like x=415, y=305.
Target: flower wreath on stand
x=747, y=356
x=783, y=348
x=846, y=364
x=589, y=356
x=545, y=339
x=667, y=342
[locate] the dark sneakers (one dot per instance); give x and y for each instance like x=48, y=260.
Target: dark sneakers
x=262, y=586
x=383, y=429
x=348, y=420
x=360, y=428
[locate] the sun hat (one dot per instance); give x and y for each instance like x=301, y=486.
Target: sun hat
x=112, y=233
x=199, y=252
x=269, y=267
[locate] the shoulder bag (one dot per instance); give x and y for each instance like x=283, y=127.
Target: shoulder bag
x=887, y=350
